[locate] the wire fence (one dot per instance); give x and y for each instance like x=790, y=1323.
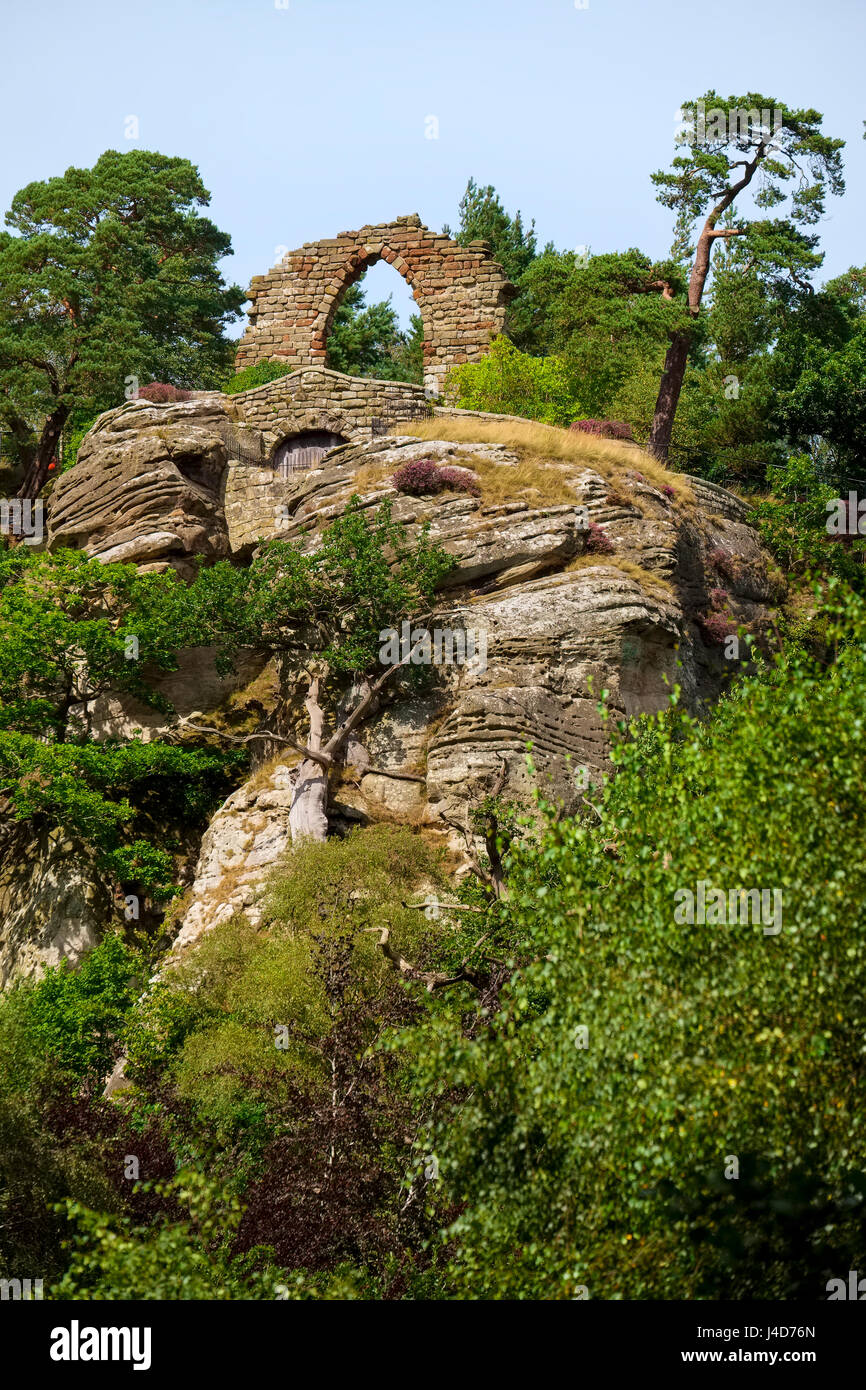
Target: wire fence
x=402, y=411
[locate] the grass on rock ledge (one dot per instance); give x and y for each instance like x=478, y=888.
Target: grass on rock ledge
x=541, y=449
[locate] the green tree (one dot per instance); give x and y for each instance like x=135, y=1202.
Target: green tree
x=109, y=274
x=71, y=630
x=366, y=340
x=618, y=299
x=733, y=143
x=604, y=315
x=483, y=218
x=327, y=609
x=585, y=1132
x=828, y=401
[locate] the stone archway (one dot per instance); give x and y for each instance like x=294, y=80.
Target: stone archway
x=462, y=294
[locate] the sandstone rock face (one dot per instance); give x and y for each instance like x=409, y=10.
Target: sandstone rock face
x=550, y=614
x=53, y=903
x=195, y=686
x=146, y=487
x=552, y=625
x=246, y=837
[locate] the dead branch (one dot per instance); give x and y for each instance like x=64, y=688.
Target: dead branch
x=431, y=979
x=470, y=851
x=321, y=757
x=369, y=770
x=361, y=710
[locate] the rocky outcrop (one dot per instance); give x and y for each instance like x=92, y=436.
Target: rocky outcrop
x=571, y=577
x=246, y=837
x=146, y=486
x=155, y=485
x=54, y=904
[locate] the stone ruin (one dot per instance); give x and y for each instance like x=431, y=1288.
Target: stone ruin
x=462, y=294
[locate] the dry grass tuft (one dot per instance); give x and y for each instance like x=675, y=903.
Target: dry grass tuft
x=532, y=480
x=548, y=444
x=371, y=476
x=654, y=583
x=286, y=757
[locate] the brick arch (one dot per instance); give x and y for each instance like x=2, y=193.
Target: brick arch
x=462, y=294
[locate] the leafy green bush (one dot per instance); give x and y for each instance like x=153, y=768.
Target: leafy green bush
x=258, y=374
x=59, y=1037
x=80, y=422
x=598, y=1117
x=70, y=1021
x=111, y=1257
x=265, y=1042
x=211, y=1021
x=793, y=525
x=510, y=382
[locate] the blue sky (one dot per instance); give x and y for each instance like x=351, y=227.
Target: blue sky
x=311, y=119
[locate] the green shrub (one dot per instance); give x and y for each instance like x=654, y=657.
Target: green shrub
x=67, y=1023
x=80, y=423
x=603, y=1158
x=258, y=374
x=246, y=1024
x=510, y=382
x=793, y=525
x=191, y=1258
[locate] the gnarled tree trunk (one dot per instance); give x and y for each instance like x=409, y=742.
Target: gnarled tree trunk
x=678, y=353
x=49, y=442
x=308, y=814
x=308, y=818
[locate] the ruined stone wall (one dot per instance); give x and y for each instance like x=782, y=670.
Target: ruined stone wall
x=461, y=293
x=357, y=407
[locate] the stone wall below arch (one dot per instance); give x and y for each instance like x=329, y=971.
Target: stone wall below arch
x=358, y=408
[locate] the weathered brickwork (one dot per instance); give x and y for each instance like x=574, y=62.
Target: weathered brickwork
x=461, y=293
x=354, y=407
x=317, y=399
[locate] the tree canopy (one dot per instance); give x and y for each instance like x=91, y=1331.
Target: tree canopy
x=110, y=276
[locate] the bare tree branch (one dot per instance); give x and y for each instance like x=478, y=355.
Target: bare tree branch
x=317, y=756
x=361, y=710
x=431, y=979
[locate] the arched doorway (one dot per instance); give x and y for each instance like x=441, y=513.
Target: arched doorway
x=299, y=452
